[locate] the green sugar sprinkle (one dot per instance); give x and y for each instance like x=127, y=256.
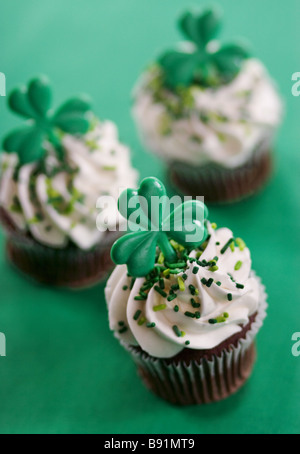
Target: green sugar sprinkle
x=238, y=265
x=240, y=286
x=125, y=287
x=221, y=319
x=195, y=269
x=172, y=266
x=176, y=308
x=212, y=321
x=16, y=207
x=123, y=330
x=36, y=219
x=147, y=286
x=178, y=247
x=150, y=325
x=33, y=220
x=177, y=331
x=217, y=243
x=198, y=255
x=184, y=277
x=142, y=321
x=194, y=291
x=187, y=343
x=175, y=287
x=219, y=283
x=214, y=225
x=140, y=298
x=232, y=246
x=183, y=334
x=121, y=323
x=92, y=144
x=203, y=280
x=174, y=244
x=162, y=284
x=56, y=199
x=160, y=291
x=198, y=315
x=231, y=277
x=210, y=263
x=225, y=315
x=181, y=284
x=213, y=268
x=209, y=282
x=189, y=314
x=5, y=166
x=159, y=307
x=172, y=297
x=241, y=244
x=229, y=296
x=109, y=168
x=161, y=259
x=194, y=304
x=154, y=280
x=153, y=274
x=137, y=315
x=166, y=272
x=143, y=294
x=176, y=271
x=221, y=136
x=227, y=245
x=204, y=245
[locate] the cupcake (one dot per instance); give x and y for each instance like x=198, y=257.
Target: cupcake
x=53, y=170
x=210, y=111
x=189, y=313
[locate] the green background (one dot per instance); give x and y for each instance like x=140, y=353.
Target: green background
x=64, y=371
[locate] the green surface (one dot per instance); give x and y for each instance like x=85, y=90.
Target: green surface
x=64, y=371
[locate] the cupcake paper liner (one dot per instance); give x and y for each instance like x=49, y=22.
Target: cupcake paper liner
x=69, y=267
x=203, y=381
x=222, y=185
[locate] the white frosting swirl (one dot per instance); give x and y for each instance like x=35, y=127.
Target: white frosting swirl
x=161, y=340
x=62, y=207
x=221, y=125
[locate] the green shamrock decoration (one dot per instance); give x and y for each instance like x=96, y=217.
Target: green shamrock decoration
x=33, y=103
x=137, y=249
x=204, y=65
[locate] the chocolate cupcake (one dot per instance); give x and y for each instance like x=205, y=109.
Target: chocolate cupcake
x=210, y=111
x=189, y=314
x=53, y=170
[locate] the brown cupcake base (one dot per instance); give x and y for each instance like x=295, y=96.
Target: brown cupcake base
x=201, y=385
x=196, y=377
x=221, y=185
x=69, y=267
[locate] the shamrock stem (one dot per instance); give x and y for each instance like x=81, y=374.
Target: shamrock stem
x=56, y=142
x=166, y=248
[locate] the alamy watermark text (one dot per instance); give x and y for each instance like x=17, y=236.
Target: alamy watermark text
x=2, y=84
x=2, y=345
